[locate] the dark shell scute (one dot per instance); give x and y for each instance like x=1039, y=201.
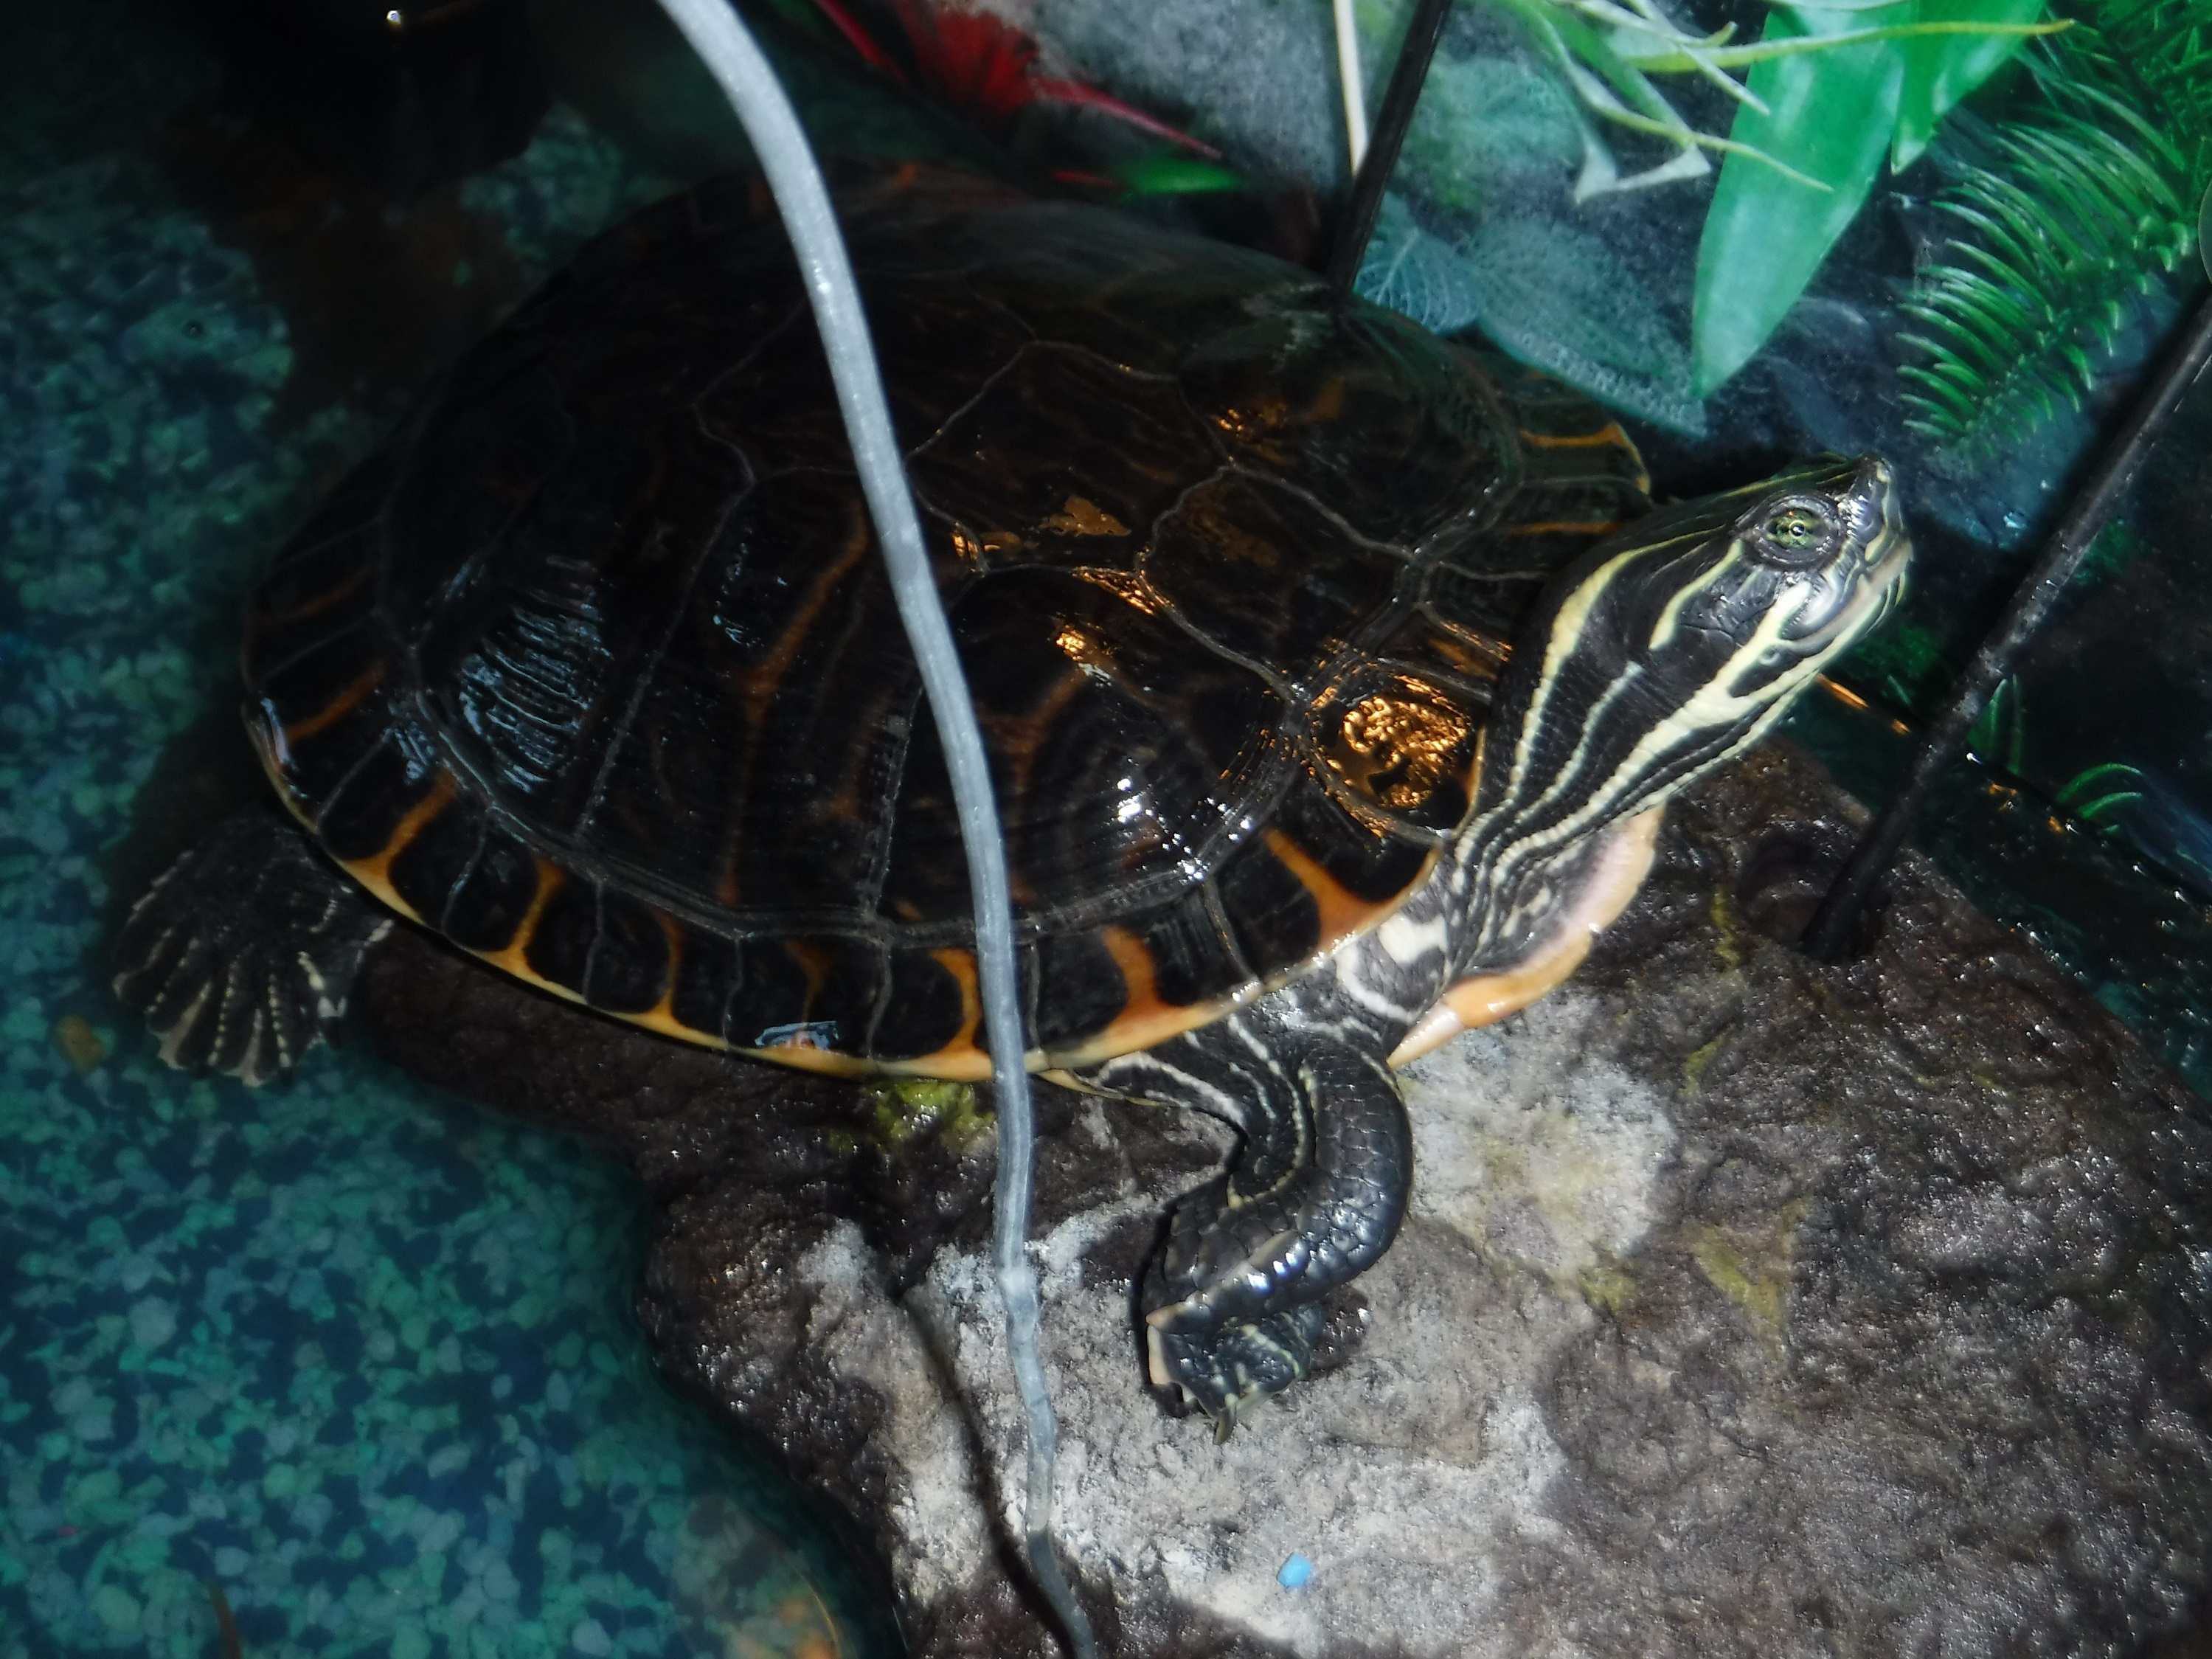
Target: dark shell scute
x=428, y=869
x=1193, y=953
x=1273, y=914
x=822, y=991
x=495, y=896
x=940, y=348
x=1371, y=864
x=1398, y=747
x=1122, y=752
x=360, y=817
x=560, y=948
x=628, y=973
x=1080, y=988
x=324, y=710
x=1127, y=291
x=925, y=1009
x=599, y=669
x=496, y=446
x=776, y=703
x=1237, y=534
x=706, y=974
x=772, y=989
x=1362, y=411
x=1027, y=476
x=308, y=603
x=1470, y=662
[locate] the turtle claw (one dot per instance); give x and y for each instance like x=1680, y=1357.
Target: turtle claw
x=1224, y=1370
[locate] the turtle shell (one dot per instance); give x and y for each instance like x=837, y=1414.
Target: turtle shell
x=596, y=670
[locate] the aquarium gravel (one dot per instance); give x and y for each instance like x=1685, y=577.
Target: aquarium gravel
x=341, y=1359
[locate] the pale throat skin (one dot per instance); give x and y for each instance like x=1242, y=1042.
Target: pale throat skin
x=1657, y=656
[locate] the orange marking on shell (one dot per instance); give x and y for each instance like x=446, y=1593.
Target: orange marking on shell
x=815, y=962
x=1078, y=516
x=661, y=1017
x=1134, y=959
x=375, y=872
x=1327, y=405
x=1565, y=527
x=509, y=956
x=962, y=1060
x=757, y=686
x=1612, y=435
x=1343, y=913
x=1146, y=1020
x=323, y=601
x=1484, y=998
x=512, y=959
x=1019, y=740
x=337, y=707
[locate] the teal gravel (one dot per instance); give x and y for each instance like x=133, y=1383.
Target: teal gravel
x=348, y=1357
x=362, y=1358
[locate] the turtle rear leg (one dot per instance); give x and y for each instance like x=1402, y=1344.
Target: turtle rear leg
x=242, y=954
x=1313, y=1197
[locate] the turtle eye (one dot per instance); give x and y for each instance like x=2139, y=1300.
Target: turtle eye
x=1796, y=531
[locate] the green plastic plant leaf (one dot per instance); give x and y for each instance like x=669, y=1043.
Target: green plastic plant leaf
x=1173, y=173
x=1940, y=71
x=2096, y=793
x=1674, y=58
x=1829, y=116
x=1999, y=736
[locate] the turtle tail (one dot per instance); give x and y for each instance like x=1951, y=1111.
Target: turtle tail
x=242, y=954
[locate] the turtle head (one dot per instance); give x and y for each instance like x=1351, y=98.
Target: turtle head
x=1671, y=646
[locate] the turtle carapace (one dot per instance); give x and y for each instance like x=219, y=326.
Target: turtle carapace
x=1332, y=675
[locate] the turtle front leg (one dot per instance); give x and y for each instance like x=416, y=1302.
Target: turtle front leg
x=1312, y=1198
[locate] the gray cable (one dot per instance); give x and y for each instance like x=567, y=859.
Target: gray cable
x=735, y=60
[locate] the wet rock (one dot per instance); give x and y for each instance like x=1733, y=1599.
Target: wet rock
x=1747, y=1306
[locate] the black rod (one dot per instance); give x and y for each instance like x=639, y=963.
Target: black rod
x=1357, y=228
x=1826, y=939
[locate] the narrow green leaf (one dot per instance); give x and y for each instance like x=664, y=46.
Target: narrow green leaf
x=1939, y=72
x=1675, y=59
x=1173, y=173
x=1830, y=115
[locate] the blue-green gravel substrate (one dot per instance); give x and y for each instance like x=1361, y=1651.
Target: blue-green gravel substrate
x=341, y=1360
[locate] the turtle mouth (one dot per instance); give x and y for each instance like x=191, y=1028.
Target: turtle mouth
x=1887, y=551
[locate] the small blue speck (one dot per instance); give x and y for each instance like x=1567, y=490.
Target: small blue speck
x=1295, y=1572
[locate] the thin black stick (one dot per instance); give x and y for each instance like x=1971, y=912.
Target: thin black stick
x=1357, y=228
x=1826, y=939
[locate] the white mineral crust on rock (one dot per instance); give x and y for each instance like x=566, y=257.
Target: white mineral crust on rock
x=1401, y=1475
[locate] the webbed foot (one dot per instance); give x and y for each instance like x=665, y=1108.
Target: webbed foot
x=241, y=955
x=1225, y=1368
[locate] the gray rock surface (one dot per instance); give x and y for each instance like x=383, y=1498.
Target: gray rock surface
x=1747, y=1307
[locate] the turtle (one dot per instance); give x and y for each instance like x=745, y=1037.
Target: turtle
x=1334, y=676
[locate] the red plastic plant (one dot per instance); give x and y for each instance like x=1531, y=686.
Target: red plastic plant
x=984, y=67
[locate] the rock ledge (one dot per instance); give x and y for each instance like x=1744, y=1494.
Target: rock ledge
x=1747, y=1307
